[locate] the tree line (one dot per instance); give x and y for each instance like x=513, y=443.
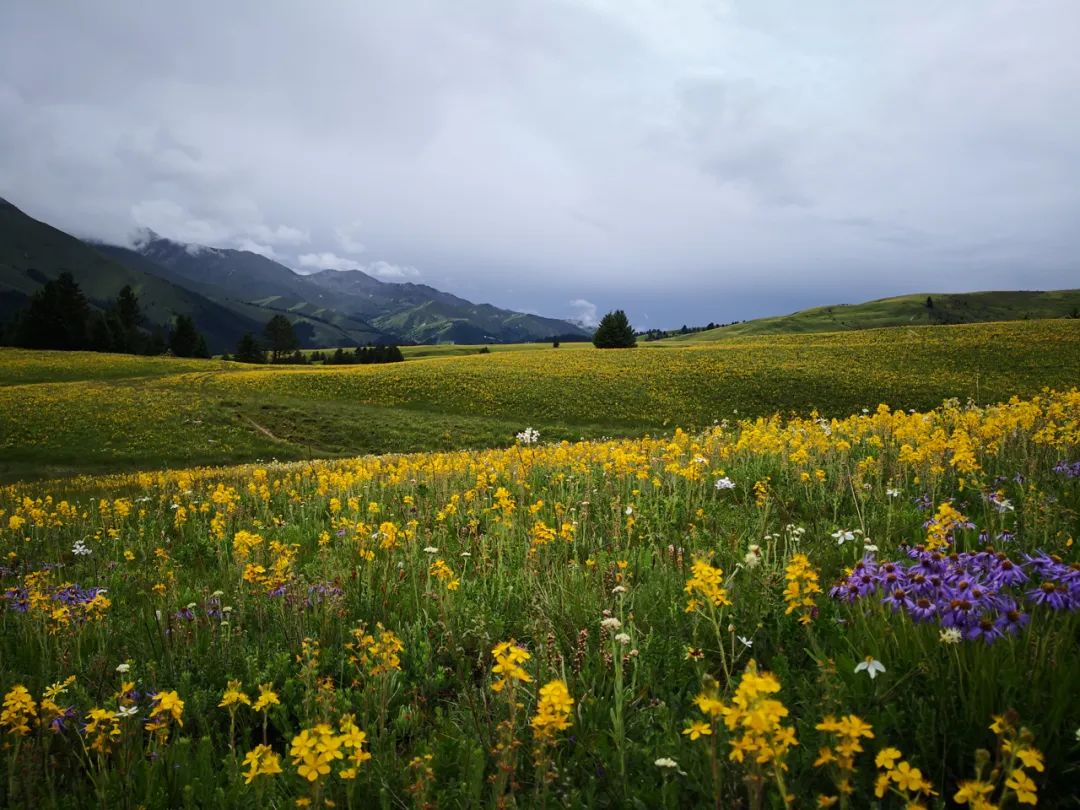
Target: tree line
x=59, y=317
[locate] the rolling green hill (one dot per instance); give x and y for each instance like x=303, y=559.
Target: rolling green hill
x=905, y=310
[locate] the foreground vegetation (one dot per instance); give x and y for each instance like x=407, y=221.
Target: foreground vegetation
x=880, y=608
x=73, y=412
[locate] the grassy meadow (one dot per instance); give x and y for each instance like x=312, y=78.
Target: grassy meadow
x=829, y=570
x=120, y=413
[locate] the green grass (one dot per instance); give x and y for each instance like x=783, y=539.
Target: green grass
x=904, y=310
x=71, y=413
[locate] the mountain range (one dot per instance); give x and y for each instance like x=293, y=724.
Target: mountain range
x=230, y=292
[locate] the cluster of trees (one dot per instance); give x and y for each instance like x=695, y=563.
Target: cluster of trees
x=58, y=316
x=361, y=355
x=282, y=346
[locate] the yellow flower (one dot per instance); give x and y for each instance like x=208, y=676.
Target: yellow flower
x=906, y=777
x=974, y=791
x=1021, y=784
x=886, y=758
x=1031, y=759
x=267, y=698
x=234, y=696
x=261, y=761
x=697, y=729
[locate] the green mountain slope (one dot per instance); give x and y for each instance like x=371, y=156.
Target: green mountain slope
x=905, y=310
x=428, y=315
x=32, y=253
x=316, y=326
x=364, y=307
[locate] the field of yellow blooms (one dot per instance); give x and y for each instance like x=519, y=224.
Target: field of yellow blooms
x=72, y=412
x=873, y=610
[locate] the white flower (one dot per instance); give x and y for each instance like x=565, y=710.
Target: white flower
x=629, y=510
x=127, y=711
x=724, y=483
x=80, y=549
x=666, y=762
x=466, y=554
x=747, y=642
x=871, y=666
x=752, y=559
x=950, y=635
x=892, y=492
x=122, y=668
x=430, y=550
x=870, y=547
x=619, y=589
x=528, y=436
x=623, y=638
x=217, y=594
x=611, y=623
x=841, y=536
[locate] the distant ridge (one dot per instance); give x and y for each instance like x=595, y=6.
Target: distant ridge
x=229, y=292
x=919, y=309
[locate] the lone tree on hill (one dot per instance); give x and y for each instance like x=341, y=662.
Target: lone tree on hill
x=614, y=332
x=281, y=336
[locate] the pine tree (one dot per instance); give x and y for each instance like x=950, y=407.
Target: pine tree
x=614, y=332
x=56, y=317
x=248, y=350
x=184, y=340
x=281, y=337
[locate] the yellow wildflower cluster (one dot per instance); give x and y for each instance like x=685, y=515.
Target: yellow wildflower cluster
x=103, y=729
x=705, y=586
x=378, y=653
x=944, y=523
x=261, y=761
x=840, y=756
x=445, y=574
x=508, y=660
x=553, y=710
x=1017, y=753
x=166, y=707
x=19, y=709
x=802, y=586
x=314, y=750
x=900, y=777
x=50, y=709
x=753, y=719
x=278, y=572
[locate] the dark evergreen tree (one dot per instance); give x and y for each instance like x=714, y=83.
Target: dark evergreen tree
x=929, y=302
x=614, y=332
x=201, y=349
x=184, y=340
x=102, y=338
x=248, y=350
x=56, y=317
x=280, y=337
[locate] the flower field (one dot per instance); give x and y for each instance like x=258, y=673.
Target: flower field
x=85, y=412
x=879, y=608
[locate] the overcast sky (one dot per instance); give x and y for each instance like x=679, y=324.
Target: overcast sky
x=687, y=160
